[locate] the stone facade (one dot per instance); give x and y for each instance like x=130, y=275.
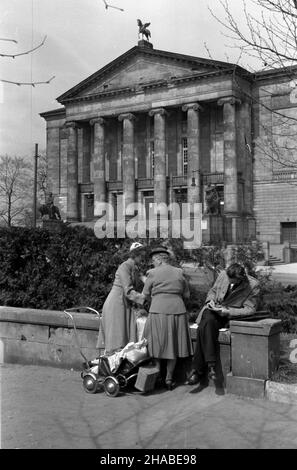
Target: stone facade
x=159, y=126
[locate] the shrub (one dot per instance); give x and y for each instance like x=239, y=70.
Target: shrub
x=45, y=270
x=280, y=301
x=40, y=269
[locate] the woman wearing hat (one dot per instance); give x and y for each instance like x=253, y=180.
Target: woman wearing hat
x=118, y=325
x=166, y=329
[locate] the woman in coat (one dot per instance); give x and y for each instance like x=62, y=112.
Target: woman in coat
x=118, y=324
x=166, y=329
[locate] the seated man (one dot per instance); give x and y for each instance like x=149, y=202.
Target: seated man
x=233, y=296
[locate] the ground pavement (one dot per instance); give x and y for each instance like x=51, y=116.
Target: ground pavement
x=284, y=273
x=46, y=408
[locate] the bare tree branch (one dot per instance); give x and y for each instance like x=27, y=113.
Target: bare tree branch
x=24, y=53
x=28, y=83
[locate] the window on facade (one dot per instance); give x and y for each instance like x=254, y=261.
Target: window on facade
x=152, y=149
x=185, y=155
x=288, y=232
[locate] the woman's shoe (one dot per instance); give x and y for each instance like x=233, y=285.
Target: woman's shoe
x=169, y=384
x=193, y=379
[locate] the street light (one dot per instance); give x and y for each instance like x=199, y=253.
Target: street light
x=35, y=186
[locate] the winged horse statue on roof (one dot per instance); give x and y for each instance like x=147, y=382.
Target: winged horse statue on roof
x=143, y=29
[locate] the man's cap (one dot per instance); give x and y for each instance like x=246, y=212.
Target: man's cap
x=158, y=250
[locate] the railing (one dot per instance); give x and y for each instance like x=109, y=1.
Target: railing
x=86, y=187
x=114, y=185
x=143, y=183
x=179, y=180
x=213, y=178
x=285, y=174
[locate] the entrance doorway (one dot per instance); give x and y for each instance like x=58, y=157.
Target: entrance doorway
x=148, y=197
x=88, y=209
x=288, y=232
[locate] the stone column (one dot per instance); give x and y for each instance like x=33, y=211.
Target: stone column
x=128, y=158
x=193, y=134
x=160, y=187
x=245, y=116
x=230, y=156
x=98, y=164
x=72, y=172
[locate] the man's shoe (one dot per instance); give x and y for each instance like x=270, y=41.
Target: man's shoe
x=193, y=379
x=212, y=373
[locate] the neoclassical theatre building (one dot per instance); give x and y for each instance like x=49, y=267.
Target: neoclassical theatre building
x=159, y=126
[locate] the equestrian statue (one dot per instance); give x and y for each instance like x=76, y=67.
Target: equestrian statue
x=49, y=209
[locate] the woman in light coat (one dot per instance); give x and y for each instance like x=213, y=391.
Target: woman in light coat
x=166, y=329
x=118, y=323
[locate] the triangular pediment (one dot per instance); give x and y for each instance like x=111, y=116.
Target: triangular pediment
x=141, y=66
x=140, y=70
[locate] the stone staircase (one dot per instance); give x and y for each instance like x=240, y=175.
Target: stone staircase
x=273, y=260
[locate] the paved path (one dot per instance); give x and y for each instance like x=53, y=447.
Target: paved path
x=44, y=407
x=284, y=273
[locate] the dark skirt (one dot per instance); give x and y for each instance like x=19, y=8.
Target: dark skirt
x=168, y=336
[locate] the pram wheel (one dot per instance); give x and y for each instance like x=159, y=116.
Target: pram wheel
x=90, y=384
x=111, y=386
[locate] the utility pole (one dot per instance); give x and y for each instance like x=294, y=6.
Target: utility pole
x=35, y=186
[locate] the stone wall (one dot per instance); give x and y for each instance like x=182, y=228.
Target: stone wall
x=274, y=203
x=275, y=183
x=42, y=337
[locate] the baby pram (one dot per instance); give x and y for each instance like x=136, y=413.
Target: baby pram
x=130, y=366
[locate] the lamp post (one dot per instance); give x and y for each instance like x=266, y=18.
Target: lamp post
x=35, y=186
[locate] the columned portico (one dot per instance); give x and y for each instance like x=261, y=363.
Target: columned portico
x=160, y=186
x=230, y=156
x=151, y=138
x=193, y=135
x=72, y=171
x=128, y=166
x=99, y=176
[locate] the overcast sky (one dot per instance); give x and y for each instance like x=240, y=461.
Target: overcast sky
x=82, y=37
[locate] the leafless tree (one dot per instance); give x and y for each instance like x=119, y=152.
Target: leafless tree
x=267, y=33
x=15, y=189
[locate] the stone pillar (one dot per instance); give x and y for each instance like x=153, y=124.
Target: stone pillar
x=160, y=186
x=193, y=134
x=86, y=157
x=98, y=164
x=255, y=355
x=72, y=172
x=230, y=156
x=128, y=158
x=245, y=117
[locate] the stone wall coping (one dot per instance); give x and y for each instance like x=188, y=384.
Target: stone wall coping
x=265, y=327
x=53, y=318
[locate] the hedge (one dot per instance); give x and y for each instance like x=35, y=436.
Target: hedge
x=47, y=270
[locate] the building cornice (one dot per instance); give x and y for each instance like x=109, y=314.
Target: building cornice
x=59, y=113
x=149, y=86
x=286, y=73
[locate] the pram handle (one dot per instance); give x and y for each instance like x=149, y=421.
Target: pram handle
x=68, y=311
